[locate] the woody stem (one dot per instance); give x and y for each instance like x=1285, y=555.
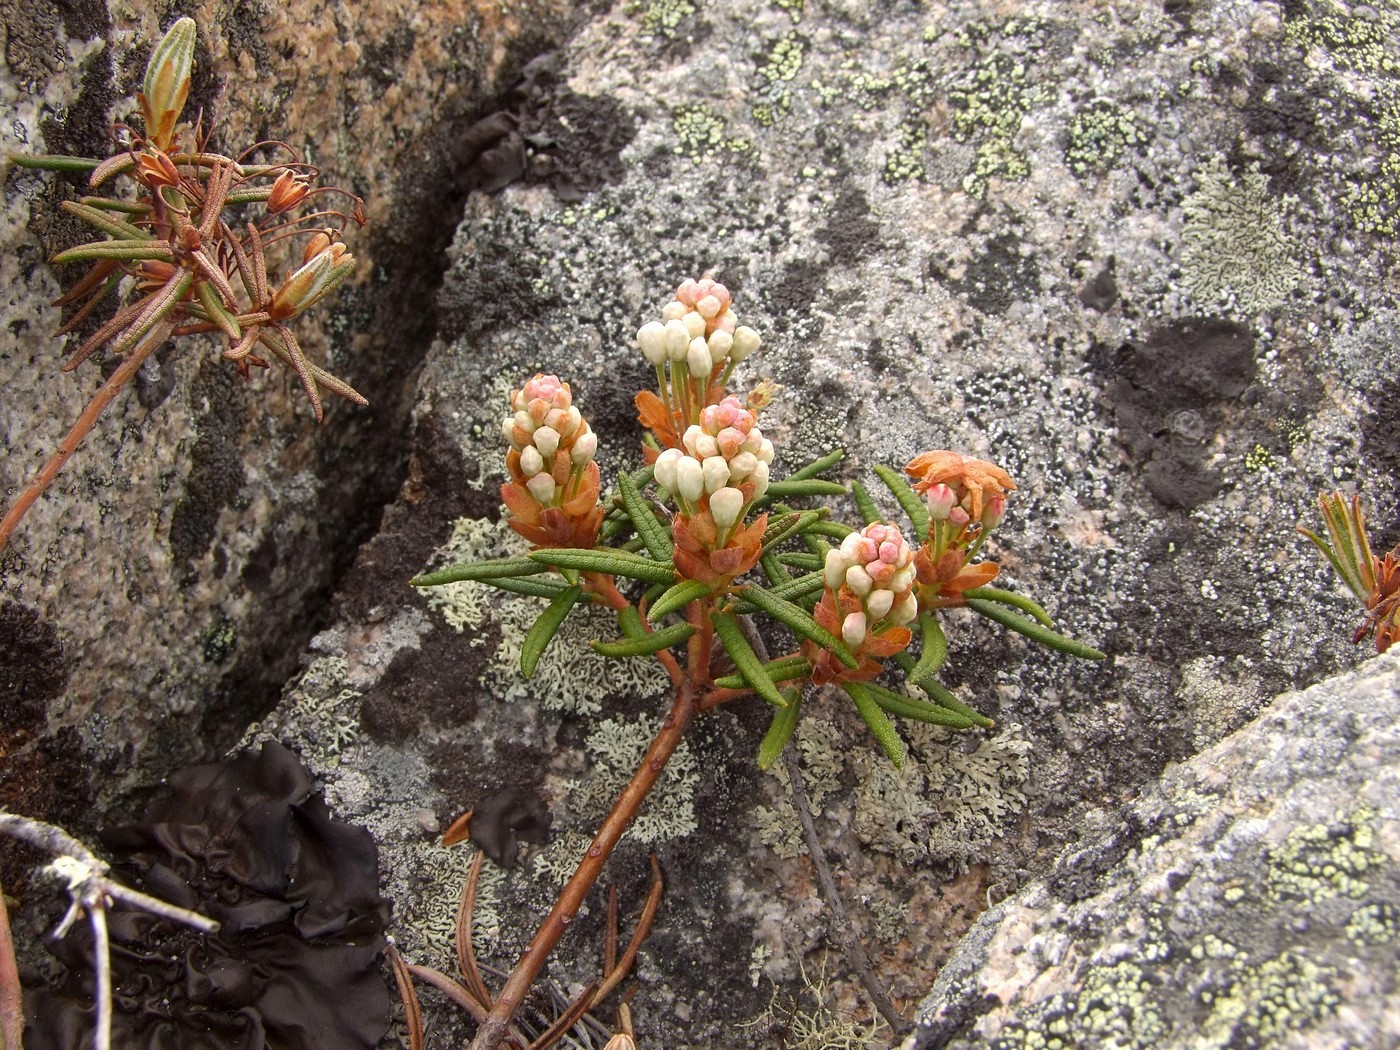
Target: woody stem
x=571, y=897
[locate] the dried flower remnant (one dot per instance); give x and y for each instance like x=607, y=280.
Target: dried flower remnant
x=187, y=257
x=1374, y=581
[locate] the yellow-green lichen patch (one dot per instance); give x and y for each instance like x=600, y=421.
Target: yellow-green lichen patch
x=906, y=161
x=1113, y=1006
x=1259, y=460
x=779, y=67
x=1321, y=862
x=664, y=17
x=700, y=133
x=1266, y=1002
x=1234, y=245
x=1099, y=134
x=794, y=8
x=1374, y=924
x=990, y=105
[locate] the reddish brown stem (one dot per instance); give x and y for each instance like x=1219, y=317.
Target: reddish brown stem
x=104, y=396
x=571, y=898
x=11, y=1003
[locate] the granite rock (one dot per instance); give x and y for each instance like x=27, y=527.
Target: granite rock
x=1248, y=898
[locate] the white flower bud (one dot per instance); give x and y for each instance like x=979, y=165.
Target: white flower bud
x=879, y=603
x=524, y=422
x=746, y=341
x=531, y=462
x=665, y=469
x=742, y=465
x=853, y=629
x=585, y=447
x=725, y=505
x=541, y=487
x=508, y=429
x=571, y=422
x=674, y=311
x=694, y=324
x=716, y=472
x=708, y=307
x=902, y=580
x=906, y=610
x=850, y=546
x=858, y=580
x=834, y=572
x=706, y=446
x=651, y=337
x=690, y=479
x=765, y=451
x=547, y=440
x=759, y=477
x=697, y=359
x=677, y=341
x=720, y=341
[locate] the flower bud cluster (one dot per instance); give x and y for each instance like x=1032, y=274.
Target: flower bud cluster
x=876, y=566
x=554, y=482
x=726, y=458
x=966, y=500
x=697, y=330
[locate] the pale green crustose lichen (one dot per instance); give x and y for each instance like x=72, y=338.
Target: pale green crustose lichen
x=1319, y=862
x=1099, y=134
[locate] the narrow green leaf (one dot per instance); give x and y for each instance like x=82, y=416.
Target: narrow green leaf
x=944, y=698
x=159, y=306
x=799, y=621
x=920, y=710
x=134, y=249
x=865, y=506
x=629, y=621
x=804, y=562
x=780, y=732
x=877, y=720
x=109, y=204
x=208, y=297
x=908, y=499
x=784, y=669
x=791, y=524
x=479, y=570
x=1011, y=598
x=787, y=488
x=652, y=532
x=834, y=529
x=648, y=643
x=542, y=631
x=532, y=586
x=933, y=648
x=817, y=466
x=799, y=588
x=53, y=162
x=678, y=596
x=608, y=560
x=1032, y=630
x=773, y=569
x=731, y=636
x=106, y=223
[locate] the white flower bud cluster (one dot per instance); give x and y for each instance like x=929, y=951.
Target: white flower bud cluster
x=697, y=331
x=726, y=457
x=877, y=566
x=550, y=435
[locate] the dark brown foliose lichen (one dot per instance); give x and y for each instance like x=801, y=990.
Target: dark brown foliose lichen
x=248, y=842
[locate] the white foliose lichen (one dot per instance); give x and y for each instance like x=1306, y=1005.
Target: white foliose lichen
x=822, y=764
x=616, y=747
x=431, y=911
x=947, y=803
x=1235, y=244
x=570, y=676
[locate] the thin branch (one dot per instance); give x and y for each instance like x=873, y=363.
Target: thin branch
x=412, y=1011
x=466, y=948
x=11, y=1001
x=841, y=921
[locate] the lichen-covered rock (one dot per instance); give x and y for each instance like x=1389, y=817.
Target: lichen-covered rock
x=180, y=560
x=1249, y=898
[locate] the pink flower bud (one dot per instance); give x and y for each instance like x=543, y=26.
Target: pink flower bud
x=958, y=517
x=584, y=449
x=941, y=500
x=993, y=512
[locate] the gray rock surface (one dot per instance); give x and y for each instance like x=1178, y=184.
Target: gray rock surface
x=1140, y=255
x=1249, y=898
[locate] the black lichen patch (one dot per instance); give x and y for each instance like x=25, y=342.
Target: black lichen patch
x=216, y=464
x=850, y=232
x=1168, y=397
x=998, y=277
x=956, y=1020
x=249, y=843
x=1100, y=292
x=423, y=689
x=1081, y=875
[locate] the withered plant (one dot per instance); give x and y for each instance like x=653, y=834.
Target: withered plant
x=699, y=541
x=181, y=256
x=1375, y=581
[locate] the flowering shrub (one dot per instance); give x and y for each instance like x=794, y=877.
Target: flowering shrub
x=676, y=552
